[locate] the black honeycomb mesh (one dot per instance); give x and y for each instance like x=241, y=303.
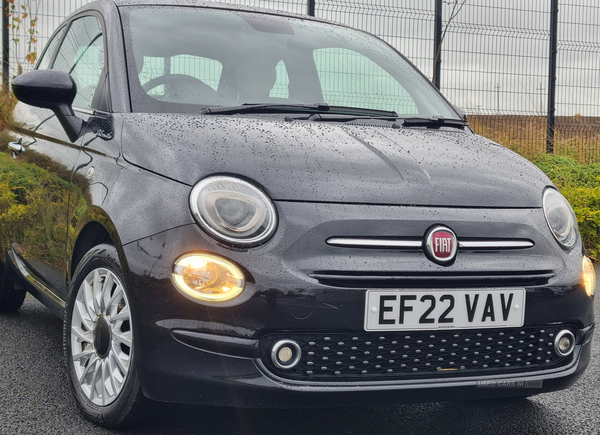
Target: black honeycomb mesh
x=369, y=355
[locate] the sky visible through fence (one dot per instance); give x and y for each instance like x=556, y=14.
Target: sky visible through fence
x=494, y=58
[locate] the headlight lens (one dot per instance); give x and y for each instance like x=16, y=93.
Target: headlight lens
x=233, y=211
x=589, y=276
x=207, y=277
x=560, y=218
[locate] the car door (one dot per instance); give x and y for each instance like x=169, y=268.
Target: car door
x=46, y=189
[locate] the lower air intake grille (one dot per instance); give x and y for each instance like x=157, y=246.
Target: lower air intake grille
x=404, y=355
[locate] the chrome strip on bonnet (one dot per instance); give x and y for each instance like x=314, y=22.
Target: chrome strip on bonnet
x=496, y=244
x=344, y=242
x=374, y=243
x=29, y=276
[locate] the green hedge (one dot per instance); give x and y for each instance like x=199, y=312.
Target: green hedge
x=580, y=184
x=35, y=198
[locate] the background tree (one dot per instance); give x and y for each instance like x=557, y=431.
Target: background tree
x=23, y=15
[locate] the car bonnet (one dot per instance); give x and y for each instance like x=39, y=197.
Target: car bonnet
x=331, y=162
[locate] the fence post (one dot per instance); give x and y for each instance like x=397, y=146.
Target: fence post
x=437, y=44
x=5, y=45
x=552, y=77
x=311, y=7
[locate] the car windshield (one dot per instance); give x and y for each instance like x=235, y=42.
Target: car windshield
x=185, y=59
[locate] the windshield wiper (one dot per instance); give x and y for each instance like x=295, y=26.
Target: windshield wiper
x=434, y=122
x=265, y=108
x=349, y=114
x=362, y=112
x=325, y=112
x=345, y=118
x=318, y=108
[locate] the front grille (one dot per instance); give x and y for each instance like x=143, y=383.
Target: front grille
x=408, y=355
x=353, y=279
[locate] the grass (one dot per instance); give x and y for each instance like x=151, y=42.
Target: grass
x=576, y=137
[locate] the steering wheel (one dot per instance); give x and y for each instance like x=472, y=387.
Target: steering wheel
x=180, y=87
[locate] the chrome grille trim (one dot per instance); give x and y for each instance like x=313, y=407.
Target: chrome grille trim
x=496, y=244
x=383, y=243
x=373, y=243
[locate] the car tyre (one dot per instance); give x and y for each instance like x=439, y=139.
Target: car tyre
x=11, y=298
x=99, y=343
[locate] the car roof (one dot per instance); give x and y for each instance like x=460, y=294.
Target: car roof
x=214, y=5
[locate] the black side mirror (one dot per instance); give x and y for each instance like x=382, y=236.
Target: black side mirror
x=54, y=90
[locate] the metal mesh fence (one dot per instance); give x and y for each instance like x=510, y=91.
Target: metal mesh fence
x=407, y=25
x=49, y=15
x=495, y=59
x=495, y=66
x=578, y=86
x=578, y=80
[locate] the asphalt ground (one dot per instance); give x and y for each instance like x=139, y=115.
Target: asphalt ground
x=35, y=399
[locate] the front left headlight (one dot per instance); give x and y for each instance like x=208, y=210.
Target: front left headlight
x=561, y=218
x=233, y=210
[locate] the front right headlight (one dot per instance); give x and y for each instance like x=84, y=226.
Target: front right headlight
x=233, y=210
x=561, y=218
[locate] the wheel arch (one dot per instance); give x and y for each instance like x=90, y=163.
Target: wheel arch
x=95, y=227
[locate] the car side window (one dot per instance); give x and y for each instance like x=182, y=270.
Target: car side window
x=44, y=62
x=82, y=56
x=349, y=78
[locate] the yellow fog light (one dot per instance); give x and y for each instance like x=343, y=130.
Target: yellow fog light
x=206, y=277
x=589, y=276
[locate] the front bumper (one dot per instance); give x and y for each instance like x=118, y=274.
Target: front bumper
x=206, y=354
x=181, y=369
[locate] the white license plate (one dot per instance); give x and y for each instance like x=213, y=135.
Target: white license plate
x=412, y=310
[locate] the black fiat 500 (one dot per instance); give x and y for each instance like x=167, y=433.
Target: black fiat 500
x=245, y=208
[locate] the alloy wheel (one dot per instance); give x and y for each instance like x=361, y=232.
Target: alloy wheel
x=101, y=336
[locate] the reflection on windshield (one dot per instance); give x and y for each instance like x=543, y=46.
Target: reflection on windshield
x=184, y=59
